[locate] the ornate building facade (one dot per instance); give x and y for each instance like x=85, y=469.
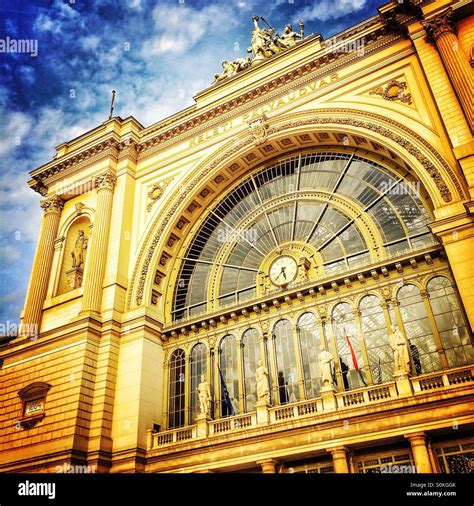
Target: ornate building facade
x=276, y=279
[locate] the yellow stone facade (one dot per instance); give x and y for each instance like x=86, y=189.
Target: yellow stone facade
x=88, y=380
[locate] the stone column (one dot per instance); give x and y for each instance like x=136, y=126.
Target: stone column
x=339, y=459
x=442, y=31
x=41, y=271
x=420, y=452
x=268, y=465
x=97, y=253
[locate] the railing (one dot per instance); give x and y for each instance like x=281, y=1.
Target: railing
x=295, y=410
x=442, y=379
x=306, y=410
x=156, y=439
x=232, y=423
x=367, y=395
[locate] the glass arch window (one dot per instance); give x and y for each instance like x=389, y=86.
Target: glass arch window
x=301, y=199
x=229, y=368
x=348, y=346
x=450, y=322
x=198, y=362
x=176, y=401
x=287, y=370
x=310, y=343
x=375, y=332
x=418, y=331
x=251, y=356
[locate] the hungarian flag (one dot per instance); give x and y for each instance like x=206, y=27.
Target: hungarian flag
x=226, y=397
x=354, y=360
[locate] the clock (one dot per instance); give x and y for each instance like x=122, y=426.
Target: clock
x=283, y=270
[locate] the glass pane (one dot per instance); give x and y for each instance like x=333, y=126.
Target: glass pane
x=450, y=321
x=251, y=356
x=348, y=347
x=418, y=330
x=198, y=369
x=375, y=332
x=176, y=390
x=310, y=343
x=229, y=367
x=287, y=371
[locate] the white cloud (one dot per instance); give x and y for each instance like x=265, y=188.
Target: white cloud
x=15, y=126
x=325, y=10
x=181, y=28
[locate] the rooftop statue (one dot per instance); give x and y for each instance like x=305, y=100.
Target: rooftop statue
x=265, y=42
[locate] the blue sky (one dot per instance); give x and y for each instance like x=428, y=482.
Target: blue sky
x=156, y=54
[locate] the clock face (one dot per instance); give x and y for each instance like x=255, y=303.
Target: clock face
x=283, y=270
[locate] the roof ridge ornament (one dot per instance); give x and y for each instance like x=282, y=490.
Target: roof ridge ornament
x=265, y=42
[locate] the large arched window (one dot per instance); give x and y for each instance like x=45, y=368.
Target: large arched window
x=347, y=209
x=418, y=331
x=176, y=389
x=374, y=330
x=450, y=322
x=229, y=375
x=198, y=368
x=287, y=370
x=310, y=342
x=348, y=346
x=251, y=355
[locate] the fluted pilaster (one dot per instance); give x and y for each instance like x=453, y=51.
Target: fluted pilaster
x=94, y=276
x=442, y=31
x=41, y=271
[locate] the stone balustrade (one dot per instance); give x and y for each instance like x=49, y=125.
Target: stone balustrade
x=305, y=411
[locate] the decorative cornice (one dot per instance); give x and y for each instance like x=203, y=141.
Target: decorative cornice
x=325, y=64
x=106, y=181
x=52, y=205
x=441, y=24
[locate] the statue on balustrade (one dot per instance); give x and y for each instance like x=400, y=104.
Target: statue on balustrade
x=326, y=364
x=399, y=346
x=263, y=385
x=204, y=394
x=79, y=252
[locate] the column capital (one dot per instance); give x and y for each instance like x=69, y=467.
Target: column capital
x=52, y=204
x=338, y=449
x=106, y=180
x=417, y=438
x=439, y=25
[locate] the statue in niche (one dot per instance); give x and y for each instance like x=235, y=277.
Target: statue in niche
x=204, y=394
x=79, y=252
x=326, y=364
x=263, y=385
x=399, y=346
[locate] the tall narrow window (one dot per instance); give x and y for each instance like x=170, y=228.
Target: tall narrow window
x=251, y=355
x=287, y=370
x=198, y=369
x=229, y=367
x=450, y=322
x=374, y=330
x=417, y=328
x=310, y=342
x=177, y=390
x=348, y=347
